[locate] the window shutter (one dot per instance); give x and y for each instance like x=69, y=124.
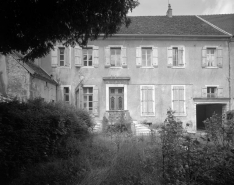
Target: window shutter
x=81, y=97
x=150, y=101
x=138, y=57
x=169, y=57
x=67, y=57
x=54, y=57
x=220, y=92
x=220, y=57
x=204, y=58
x=95, y=101
x=124, y=56
x=95, y=56
x=155, y=57
x=181, y=56
x=181, y=100
x=77, y=56
x=107, y=56
x=204, y=92
x=144, y=100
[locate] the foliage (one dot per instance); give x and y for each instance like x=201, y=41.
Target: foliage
x=35, y=132
x=32, y=27
x=189, y=159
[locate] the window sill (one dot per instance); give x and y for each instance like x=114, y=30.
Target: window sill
x=148, y=115
x=180, y=115
x=87, y=67
x=211, y=67
x=116, y=67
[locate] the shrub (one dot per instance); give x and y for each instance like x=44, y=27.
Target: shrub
x=34, y=132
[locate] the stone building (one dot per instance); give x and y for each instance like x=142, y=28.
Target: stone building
x=158, y=62
x=25, y=80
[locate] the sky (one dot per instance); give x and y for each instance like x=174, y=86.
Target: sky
x=183, y=7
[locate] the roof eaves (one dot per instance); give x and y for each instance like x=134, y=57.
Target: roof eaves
x=216, y=27
x=167, y=35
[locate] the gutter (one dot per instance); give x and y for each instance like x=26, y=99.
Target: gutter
x=165, y=35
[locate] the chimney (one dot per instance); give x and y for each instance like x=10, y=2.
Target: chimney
x=169, y=11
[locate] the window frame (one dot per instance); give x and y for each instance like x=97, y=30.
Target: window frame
x=153, y=98
x=216, y=55
x=116, y=47
x=87, y=48
x=151, y=57
x=184, y=62
x=216, y=93
x=172, y=100
x=62, y=89
x=59, y=55
x=87, y=94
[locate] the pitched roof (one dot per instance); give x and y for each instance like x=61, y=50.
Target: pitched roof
x=163, y=25
x=223, y=21
x=40, y=73
x=34, y=69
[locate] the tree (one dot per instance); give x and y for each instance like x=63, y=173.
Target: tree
x=32, y=27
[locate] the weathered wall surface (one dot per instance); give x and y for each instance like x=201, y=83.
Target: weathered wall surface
x=193, y=76
x=18, y=79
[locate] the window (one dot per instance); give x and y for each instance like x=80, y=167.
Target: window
x=212, y=57
x=147, y=101
x=212, y=92
x=66, y=94
x=115, y=57
x=88, y=98
x=178, y=99
x=88, y=56
x=178, y=56
x=61, y=56
x=116, y=96
x=146, y=57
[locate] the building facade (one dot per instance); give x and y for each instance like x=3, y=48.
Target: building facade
x=157, y=63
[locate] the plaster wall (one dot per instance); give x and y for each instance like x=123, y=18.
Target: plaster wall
x=193, y=76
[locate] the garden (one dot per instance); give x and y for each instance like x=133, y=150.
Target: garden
x=53, y=143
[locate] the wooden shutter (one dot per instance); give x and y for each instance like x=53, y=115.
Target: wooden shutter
x=144, y=100
x=107, y=56
x=54, y=57
x=155, y=57
x=204, y=92
x=138, y=57
x=67, y=57
x=181, y=56
x=169, y=57
x=204, y=58
x=95, y=56
x=77, y=56
x=150, y=101
x=220, y=92
x=124, y=57
x=220, y=57
x=95, y=101
x=81, y=97
x=181, y=99
x=175, y=98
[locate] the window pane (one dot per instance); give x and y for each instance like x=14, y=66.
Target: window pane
x=61, y=57
x=85, y=98
x=85, y=57
x=66, y=89
x=66, y=97
x=90, y=104
x=61, y=62
x=120, y=91
x=91, y=90
x=90, y=98
x=90, y=62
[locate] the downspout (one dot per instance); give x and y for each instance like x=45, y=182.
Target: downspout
x=230, y=75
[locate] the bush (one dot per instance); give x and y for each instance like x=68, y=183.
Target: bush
x=36, y=131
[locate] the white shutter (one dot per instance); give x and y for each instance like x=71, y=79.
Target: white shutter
x=220, y=92
x=181, y=56
x=169, y=57
x=107, y=56
x=67, y=57
x=54, y=57
x=80, y=97
x=138, y=57
x=204, y=58
x=95, y=56
x=77, y=56
x=124, y=57
x=220, y=57
x=95, y=101
x=204, y=92
x=155, y=57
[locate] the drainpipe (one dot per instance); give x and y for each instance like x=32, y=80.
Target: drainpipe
x=229, y=74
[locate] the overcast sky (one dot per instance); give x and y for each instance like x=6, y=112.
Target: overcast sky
x=183, y=7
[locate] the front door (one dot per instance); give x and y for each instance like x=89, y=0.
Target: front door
x=116, y=98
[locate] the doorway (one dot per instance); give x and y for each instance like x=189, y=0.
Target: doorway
x=204, y=111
